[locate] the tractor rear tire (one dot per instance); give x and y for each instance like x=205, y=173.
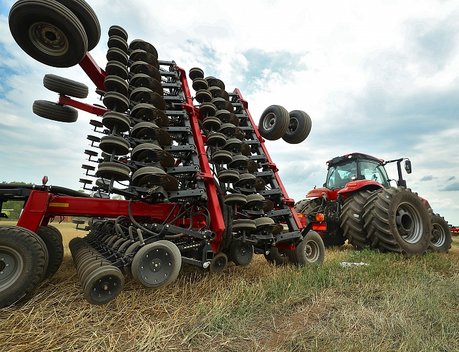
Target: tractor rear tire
x=274, y=122
x=22, y=263
x=299, y=127
x=65, y=86
x=48, y=32
x=88, y=19
x=441, y=234
x=399, y=221
x=53, y=241
x=55, y=112
x=351, y=219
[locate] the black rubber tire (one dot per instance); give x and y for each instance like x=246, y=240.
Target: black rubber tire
x=118, y=55
x=65, y=86
x=143, y=45
x=274, y=122
x=118, y=31
x=241, y=253
x=196, y=73
x=116, y=145
x=351, y=219
x=310, y=251
x=299, y=127
x=53, y=240
x=142, y=55
x=111, y=169
x=218, y=263
x=54, y=111
x=441, y=234
x=88, y=19
x=48, y=32
x=169, y=254
x=20, y=246
x=103, y=284
x=276, y=257
x=398, y=221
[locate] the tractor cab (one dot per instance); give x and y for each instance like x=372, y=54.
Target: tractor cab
x=354, y=167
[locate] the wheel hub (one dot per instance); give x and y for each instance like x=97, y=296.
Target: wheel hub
x=269, y=121
x=11, y=266
x=312, y=251
x=409, y=223
x=49, y=39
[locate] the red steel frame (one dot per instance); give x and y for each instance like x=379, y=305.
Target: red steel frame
x=41, y=206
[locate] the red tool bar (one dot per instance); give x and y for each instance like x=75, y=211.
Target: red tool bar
x=217, y=222
x=94, y=72
x=93, y=109
x=42, y=205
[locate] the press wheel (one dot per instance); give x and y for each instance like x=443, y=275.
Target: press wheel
x=157, y=264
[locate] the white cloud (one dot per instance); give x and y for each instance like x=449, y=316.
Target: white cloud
x=361, y=65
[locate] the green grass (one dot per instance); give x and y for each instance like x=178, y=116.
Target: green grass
x=393, y=304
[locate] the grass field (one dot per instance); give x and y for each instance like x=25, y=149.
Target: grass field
x=393, y=304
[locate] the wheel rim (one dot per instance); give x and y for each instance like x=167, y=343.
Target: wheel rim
x=438, y=235
x=409, y=223
x=269, y=121
x=218, y=264
x=312, y=251
x=154, y=266
x=293, y=125
x=48, y=39
x=11, y=267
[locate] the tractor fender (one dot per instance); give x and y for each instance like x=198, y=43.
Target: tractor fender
x=358, y=185
x=320, y=192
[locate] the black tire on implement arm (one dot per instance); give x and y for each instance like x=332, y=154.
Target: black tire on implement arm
x=48, y=32
x=274, y=122
x=299, y=127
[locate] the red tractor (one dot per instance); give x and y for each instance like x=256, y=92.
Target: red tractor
x=358, y=204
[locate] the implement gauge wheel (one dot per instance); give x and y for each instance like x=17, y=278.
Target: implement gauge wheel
x=156, y=264
x=65, y=86
x=299, y=127
x=274, y=122
x=22, y=263
x=52, y=238
x=310, y=250
x=55, y=112
x=49, y=32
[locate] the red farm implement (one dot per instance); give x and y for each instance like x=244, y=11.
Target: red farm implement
x=197, y=184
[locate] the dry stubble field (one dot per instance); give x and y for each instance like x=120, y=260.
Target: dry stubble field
x=393, y=304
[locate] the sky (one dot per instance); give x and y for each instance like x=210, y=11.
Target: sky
x=378, y=77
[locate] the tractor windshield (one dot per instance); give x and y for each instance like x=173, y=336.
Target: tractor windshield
x=352, y=169
x=340, y=174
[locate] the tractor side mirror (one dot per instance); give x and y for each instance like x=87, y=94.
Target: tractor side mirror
x=408, y=166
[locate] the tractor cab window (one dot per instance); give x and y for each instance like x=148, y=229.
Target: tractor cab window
x=370, y=170
x=339, y=175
